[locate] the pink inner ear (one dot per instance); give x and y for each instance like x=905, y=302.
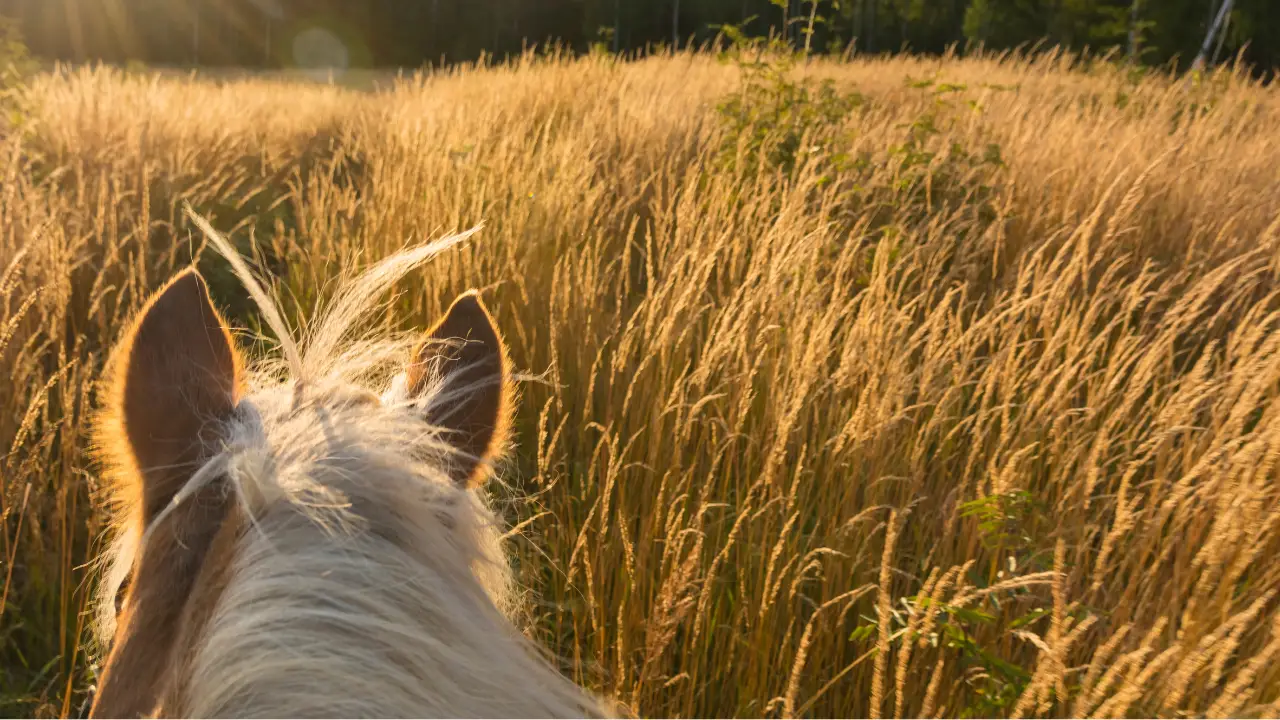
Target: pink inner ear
x=465, y=353
x=181, y=378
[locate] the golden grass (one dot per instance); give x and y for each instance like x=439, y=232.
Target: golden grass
x=790, y=445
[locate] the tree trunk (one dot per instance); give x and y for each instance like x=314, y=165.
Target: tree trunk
x=497, y=27
x=675, y=26
x=1208, y=39
x=1134, y=13
x=1222, y=37
x=813, y=16
x=435, y=24
x=862, y=22
x=617, y=26
x=195, y=32
x=871, y=27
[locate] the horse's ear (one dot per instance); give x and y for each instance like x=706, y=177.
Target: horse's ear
x=464, y=365
x=176, y=378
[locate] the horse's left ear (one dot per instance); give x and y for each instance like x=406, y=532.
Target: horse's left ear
x=177, y=377
x=461, y=368
x=175, y=382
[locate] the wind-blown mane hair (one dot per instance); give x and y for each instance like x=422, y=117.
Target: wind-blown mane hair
x=303, y=537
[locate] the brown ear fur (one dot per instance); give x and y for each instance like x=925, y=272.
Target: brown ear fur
x=175, y=378
x=175, y=374
x=465, y=351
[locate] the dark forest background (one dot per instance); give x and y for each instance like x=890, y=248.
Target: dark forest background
x=381, y=33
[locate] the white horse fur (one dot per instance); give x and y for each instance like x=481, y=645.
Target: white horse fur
x=365, y=582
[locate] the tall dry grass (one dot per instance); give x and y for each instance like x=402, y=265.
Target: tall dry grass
x=904, y=434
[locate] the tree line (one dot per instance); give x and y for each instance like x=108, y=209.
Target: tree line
x=410, y=33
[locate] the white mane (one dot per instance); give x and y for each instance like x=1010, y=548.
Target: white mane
x=367, y=584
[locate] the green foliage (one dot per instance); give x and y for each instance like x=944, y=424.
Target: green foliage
x=1007, y=526
x=781, y=123
x=1161, y=31
x=603, y=44
x=955, y=627
x=1002, y=23
x=775, y=119
x=999, y=517
x=16, y=66
x=927, y=176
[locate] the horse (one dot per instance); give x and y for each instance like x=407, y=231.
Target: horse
x=306, y=536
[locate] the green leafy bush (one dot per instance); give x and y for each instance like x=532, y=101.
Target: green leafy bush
x=16, y=66
x=16, y=63
x=776, y=118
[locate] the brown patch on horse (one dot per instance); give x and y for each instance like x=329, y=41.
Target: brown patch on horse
x=177, y=581
x=175, y=381
x=205, y=594
x=474, y=403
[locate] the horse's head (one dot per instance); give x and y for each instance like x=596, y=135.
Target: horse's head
x=197, y=450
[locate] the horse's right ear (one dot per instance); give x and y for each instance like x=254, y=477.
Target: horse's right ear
x=176, y=377
x=461, y=371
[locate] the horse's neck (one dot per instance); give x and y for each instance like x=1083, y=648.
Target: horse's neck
x=316, y=623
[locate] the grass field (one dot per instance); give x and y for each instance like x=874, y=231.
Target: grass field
x=945, y=388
